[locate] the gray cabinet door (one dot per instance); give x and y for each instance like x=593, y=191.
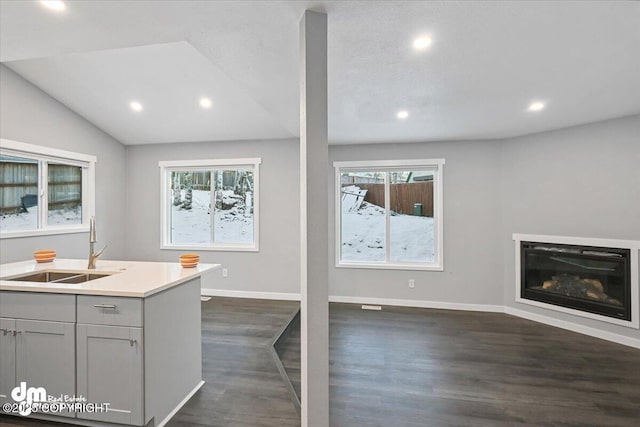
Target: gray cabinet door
x=110, y=370
x=7, y=359
x=45, y=357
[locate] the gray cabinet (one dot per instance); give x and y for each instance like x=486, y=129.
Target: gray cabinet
x=142, y=356
x=7, y=359
x=110, y=370
x=40, y=353
x=45, y=357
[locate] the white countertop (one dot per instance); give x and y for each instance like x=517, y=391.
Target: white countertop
x=130, y=278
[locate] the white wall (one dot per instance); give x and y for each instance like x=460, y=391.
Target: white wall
x=276, y=267
x=29, y=115
x=472, y=252
x=472, y=209
x=582, y=181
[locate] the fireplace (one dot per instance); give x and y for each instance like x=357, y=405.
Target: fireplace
x=590, y=279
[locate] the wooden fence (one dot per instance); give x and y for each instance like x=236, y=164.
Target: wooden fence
x=18, y=180
x=65, y=185
x=402, y=196
x=201, y=180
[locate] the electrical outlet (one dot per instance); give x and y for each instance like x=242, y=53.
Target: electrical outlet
x=225, y=272
x=412, y=283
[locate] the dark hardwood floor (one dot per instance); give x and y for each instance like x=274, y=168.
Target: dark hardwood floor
x=420, y=367
x=288, y=351
x=405, y=367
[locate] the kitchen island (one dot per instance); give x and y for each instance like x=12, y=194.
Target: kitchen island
x=122, y=342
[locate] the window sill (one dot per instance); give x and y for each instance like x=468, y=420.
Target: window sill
x=43, y=232
x=217, y=248
x=422, y=267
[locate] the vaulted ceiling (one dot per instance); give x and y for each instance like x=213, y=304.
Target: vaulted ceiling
x=487, y=62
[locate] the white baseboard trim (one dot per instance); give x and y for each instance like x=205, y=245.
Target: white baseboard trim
x=180, y=405
x=250, y=294
x=418, y=304
x=585, y=330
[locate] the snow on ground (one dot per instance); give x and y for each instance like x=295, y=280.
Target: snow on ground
x=363, y=236
x=65, y=216
x=194, y=226
x=29, y=220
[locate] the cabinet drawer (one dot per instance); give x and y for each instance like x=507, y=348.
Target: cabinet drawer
x=113, y=311
x=38, y=306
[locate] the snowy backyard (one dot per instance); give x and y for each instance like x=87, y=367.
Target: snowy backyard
x=20, y=204
x=233, y=225
x=29, y=220
x=363, y=234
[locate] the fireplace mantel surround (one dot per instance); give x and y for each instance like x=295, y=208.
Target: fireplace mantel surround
x=632, y=245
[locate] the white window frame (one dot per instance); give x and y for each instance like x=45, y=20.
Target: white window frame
x=44, y=156
x=166, y=167
x=437, y=166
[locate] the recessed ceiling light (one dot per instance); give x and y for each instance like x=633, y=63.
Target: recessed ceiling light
x=205, y=102
x=135, y=106
x=402, y=114
x=422, y=43
x=536, y=106
x=56, y=5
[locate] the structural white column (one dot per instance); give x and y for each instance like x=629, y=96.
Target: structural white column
x=314, y=220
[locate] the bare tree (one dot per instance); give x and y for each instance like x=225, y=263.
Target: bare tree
x=177, y=191
x=188, y=196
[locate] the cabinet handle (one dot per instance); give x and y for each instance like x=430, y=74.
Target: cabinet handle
x=4, y=331
x=105, y=306
x=132, y=342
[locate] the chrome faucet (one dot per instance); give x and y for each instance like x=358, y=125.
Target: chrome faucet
x=93, y=256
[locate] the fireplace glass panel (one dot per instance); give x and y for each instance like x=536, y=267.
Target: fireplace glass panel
x=585, y=278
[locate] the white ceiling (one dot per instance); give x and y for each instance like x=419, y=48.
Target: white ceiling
x=168, y=79
x=487, y=62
